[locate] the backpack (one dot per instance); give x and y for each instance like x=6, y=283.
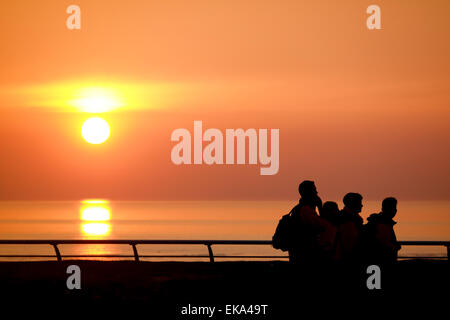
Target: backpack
x=282, y=238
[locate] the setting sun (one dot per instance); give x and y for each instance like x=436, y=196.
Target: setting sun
x=95, y=130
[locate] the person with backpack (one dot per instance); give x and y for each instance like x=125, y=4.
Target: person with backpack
x=381, y=243
x=298, y=232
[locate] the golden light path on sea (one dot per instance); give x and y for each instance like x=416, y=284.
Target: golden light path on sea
x=95, y=215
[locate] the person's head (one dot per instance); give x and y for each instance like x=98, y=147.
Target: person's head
x=307, y=190
x=389, y=207
x=330, y=210
x=353, y=201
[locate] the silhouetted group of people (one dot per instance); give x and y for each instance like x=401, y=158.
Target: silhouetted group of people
x=316, y=233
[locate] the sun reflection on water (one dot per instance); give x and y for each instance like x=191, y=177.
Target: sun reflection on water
x=95, y=229
x=94, y=214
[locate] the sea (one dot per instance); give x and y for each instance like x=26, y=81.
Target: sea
x=186, y=220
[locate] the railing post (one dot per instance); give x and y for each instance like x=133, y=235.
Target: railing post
x=211, y=254
x=58, y=254
x=136, y=255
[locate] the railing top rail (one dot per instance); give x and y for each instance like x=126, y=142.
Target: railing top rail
x=200, y=242
x=425, y=243
x=133, y=241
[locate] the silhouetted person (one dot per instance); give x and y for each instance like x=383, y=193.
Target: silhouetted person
x=381, y=242
x=350, y=229
x=330, y=212
x=327, y=238
x=306, y=225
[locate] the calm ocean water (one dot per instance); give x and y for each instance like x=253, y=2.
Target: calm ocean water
x=237, y=220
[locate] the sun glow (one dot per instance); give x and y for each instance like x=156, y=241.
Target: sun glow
x=95, y=130
x=97, y=100
x=97, y=95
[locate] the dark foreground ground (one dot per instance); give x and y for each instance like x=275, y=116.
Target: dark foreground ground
x=160, y=290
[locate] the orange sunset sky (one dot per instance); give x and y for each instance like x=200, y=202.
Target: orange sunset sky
x=358, y=110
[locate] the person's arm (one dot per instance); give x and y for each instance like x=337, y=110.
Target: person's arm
x=319, y=204
x=309, y=217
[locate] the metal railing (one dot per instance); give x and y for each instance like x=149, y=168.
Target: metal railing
x=207, y=243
